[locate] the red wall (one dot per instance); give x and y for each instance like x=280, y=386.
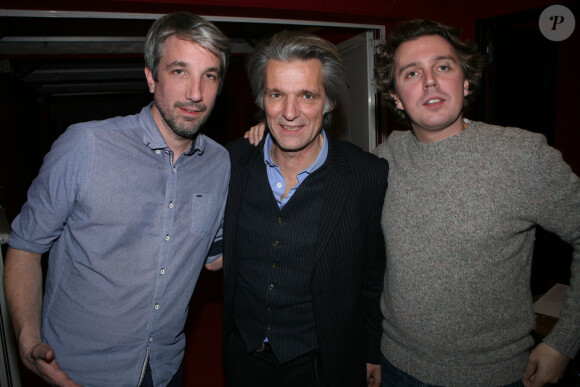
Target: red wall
x=461, y=13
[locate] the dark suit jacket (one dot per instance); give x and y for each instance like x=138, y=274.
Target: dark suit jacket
x=347, y=279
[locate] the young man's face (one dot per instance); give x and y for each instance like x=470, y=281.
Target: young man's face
x=294, y=101
x=186, y=87
x=430, y=87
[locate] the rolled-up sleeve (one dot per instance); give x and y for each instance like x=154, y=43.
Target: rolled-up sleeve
x=51, y=197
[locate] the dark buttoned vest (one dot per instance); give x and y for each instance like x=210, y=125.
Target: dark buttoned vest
x=275, y=258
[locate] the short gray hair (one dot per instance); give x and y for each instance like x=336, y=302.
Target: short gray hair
x=187, y=26
x=287, y=46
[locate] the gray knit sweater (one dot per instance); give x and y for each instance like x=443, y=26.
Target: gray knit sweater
x=459, y=223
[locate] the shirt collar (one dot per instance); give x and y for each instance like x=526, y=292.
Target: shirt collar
x=152, y=136
x=269, y=142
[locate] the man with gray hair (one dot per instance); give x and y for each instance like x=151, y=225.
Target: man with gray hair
x=303, y=248
x=129, y=208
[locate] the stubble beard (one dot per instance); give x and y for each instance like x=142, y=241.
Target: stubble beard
x=183, y=130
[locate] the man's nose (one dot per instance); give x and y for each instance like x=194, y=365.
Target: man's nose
x=193, y=91
x=430, y=79
x=291, y=109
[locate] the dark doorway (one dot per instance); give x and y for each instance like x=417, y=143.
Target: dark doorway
x=521, y=77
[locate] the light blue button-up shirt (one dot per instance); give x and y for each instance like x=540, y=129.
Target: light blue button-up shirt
x=128, y=234
x=275, y=177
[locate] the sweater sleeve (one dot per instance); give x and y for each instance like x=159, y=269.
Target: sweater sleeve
x=557, y=202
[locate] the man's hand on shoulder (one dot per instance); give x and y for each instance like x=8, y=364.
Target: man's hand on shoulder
x=256, y=133
x=40, y=359
x=545, y=365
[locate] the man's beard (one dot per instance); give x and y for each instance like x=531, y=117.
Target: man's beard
x=183, y=130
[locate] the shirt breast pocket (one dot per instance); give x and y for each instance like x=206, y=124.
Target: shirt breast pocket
x=204, y=211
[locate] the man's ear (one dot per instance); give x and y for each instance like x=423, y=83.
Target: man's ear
x=150, y=80
x=328, y=106
x=465, y=88
x=397, y=100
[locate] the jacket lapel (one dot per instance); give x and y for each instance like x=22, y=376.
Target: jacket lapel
x=238, y=180
x=335, y=193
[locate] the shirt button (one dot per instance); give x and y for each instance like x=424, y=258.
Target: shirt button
x=166, y=237
x=170, y=204
x=158, y=151
x=279, y=185
x=150, y=339
x=162, y=271
x=271, y=287
x=174, y=169
x=156, y=306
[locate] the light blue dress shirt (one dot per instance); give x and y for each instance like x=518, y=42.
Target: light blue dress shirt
x=275, y=178
x=128, y=234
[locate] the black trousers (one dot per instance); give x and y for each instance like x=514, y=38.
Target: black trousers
x=261, y=368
